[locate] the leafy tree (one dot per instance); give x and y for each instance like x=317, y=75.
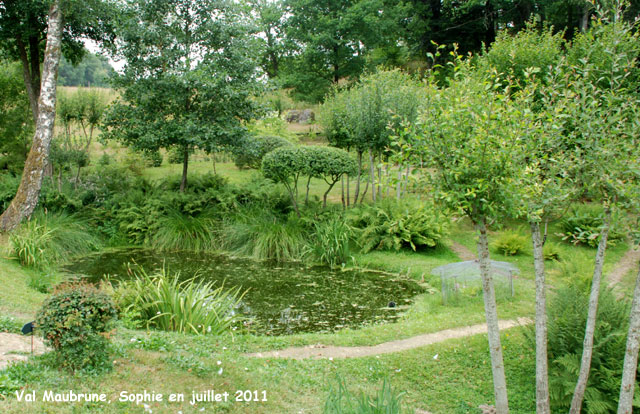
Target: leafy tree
x=470, y=134
x=92, y=70
x=189, y=77
x=16, y=121
x=270, y=18
x=23, y=28
x=365, y=117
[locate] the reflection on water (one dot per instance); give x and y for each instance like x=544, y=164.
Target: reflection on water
x=281, y=298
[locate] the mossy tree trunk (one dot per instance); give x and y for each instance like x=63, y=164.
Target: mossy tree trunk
x=28, y=193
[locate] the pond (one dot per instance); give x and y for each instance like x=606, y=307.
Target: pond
x=281, y=298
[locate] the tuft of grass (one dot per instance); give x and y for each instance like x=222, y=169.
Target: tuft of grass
x=330, y=242
x=189, y=306
x=178, y=231
x=47, y=240
x=510, y=243
x=342, y=401
x=264, y=236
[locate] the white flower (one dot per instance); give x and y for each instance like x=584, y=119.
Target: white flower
x=330, y=358
x=220, y=371
x=435, y=356
x=209, y=328
x=158, y=313
x=224, y=348
x=219, y=362
x=133, y=339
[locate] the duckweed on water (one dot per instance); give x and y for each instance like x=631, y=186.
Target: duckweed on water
x=281, y=298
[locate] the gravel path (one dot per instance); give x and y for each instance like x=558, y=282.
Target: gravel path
x=14, y=347
x=324, y=351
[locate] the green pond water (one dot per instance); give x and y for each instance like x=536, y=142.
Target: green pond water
x=281, y=298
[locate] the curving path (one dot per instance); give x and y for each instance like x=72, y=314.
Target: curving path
x=628, y=262
x=324, y=351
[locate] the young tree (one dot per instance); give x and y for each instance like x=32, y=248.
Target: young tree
x=285, y=165
x=329, y=164
x=189, y=76
x=470, y=132
x=28, y=192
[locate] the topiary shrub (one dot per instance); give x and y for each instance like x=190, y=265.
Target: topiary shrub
x=583, y=225
x=510, y=244
x=75, y=322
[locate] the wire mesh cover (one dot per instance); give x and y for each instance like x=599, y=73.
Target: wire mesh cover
x=470, y=270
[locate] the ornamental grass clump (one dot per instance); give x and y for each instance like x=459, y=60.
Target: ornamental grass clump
x=163, y=301
x=75, y=321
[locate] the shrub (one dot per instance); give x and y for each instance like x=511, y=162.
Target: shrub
x=342, y=401
x=551, y=251
x=49, y=239
x=175, y=155
x=9, y=324
x=189, y=306
x=510, y=244
x=583, y=225
x=329, y=164
x=392, y=224
x=251, y=150
x=330, y=241
x=262, y=235
x=567, y=319
x=75, y=321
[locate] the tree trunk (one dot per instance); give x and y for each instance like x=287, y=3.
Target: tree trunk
x=372, y=176
x=28, y=192
x=380, y=179
x=348, y=190
x=357, y=190
x=399, y=183
x=185, y=168
x=587, y=348
x=491, y=314
x=343, y=202
x=542, y=363
x=631, y=356
x=28, y=80
x=364, y=193
x=326, y=193
x=306, y=197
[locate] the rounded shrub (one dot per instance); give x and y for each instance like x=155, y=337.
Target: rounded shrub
x=75, y=322
x=252, y=149
x=510, y=244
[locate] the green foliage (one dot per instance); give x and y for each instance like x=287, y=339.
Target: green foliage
x=250, y=150
x=9, y=324
x=583, y=224
x=510, y=243
x=366, y=115
x=153, y=158
x=393, y=224
x=330, y=241
x=175, y=155
x=341, y=401
x=263, y=235
x=551, y=251
x=75, y=322
x=527, y=50
x=189, y=306
x=16, y=120
x=50, y=239
x=189, y=364
x=93, y=70
x=567, y=319
x=177, y=231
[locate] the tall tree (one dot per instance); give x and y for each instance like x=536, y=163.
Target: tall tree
x=28, y=193
x=23, y=29
x=189, y=76
x=269, y=18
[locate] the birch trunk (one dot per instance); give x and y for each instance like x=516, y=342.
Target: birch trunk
x=587, y=347
x=28, y=192
x=357, y=191
x=542, y=362
x=630, y=366
x=493, y=330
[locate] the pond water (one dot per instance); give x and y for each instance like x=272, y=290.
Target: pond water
x=281, y=298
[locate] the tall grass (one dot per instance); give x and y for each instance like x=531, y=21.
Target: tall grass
x=165, y=302
x=178, y=231
x=330, y=241
x=47, y=240
x=262, y=235
x=342, y=401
